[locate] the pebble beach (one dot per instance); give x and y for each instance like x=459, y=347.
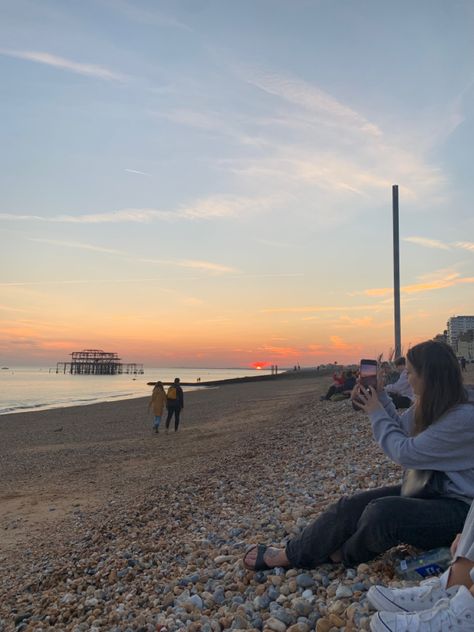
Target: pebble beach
x=107, y=526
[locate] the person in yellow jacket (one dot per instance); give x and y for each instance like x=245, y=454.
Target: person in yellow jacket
x=157, y=404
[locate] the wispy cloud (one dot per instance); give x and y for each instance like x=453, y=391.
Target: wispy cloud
x=136, y=172
x=213, y=123
x=41, y=57
x=208, y=266
x=324, y=308
x=315, y=144
x=428, y=243
x=211, y=207
x=310, y=97
x=436, y=243
x=465, y=245
x=430, y=284
x=133, y=215
x=73, y=244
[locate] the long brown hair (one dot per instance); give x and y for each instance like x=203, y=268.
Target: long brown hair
x=441, y=379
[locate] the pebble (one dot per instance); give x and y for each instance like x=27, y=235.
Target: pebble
x=169, y=558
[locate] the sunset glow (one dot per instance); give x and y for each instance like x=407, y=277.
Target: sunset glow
x=210, y=185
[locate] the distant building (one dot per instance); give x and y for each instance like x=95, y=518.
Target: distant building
x=458, y=325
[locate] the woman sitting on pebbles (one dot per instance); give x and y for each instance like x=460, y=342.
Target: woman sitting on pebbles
x=436, y=433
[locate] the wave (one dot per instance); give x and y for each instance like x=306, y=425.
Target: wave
x=67, y=403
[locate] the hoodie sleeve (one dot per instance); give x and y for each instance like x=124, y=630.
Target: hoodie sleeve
x=446, y=445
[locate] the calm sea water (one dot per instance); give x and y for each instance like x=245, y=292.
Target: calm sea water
x=26, y=388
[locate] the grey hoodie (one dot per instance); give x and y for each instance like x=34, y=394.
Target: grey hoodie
x=447, y=445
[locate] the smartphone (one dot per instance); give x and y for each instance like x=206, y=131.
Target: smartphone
x=368, y=373
x=367, y=377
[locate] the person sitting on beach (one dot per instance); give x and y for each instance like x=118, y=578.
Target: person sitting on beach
x=174, y=403
x=437, y=433
x=400, y=392
x=341, y=389
x=338, y=377
x=438, y=603
x=157, y=404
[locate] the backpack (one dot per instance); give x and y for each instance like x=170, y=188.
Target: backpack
x=172, y=393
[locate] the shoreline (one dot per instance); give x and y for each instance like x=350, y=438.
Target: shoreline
x=304, y=373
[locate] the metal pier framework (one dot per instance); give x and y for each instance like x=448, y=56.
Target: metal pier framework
x=97, y=362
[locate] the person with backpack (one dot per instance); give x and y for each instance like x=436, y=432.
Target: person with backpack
x=174, y=403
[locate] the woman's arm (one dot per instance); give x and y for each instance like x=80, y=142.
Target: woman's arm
x=446, y=445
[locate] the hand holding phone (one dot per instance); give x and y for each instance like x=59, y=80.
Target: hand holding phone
x=368, y=373
x=367, y=377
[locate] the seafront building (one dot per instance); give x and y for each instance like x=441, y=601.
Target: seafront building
x=460, y=334
x=458, y=325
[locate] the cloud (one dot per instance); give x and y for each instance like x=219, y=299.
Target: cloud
x=338, y=343
x=132, y=215
x=40, y=57
x=72, y=244
x=184, y=263
x=428, y=243
x=430, y=284
x=140, y=173
x=436, y=243
x=226, y=206
x=211, y=207
x=323, y=308
x=193, y=264
x=465, y=245
x=210, y=122
x=304, y=95
x=321, y=149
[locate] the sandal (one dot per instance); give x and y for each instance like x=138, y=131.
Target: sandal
x=260, y=564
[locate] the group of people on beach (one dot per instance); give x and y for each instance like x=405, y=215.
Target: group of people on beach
x=395, y=378
x=172, y=399
x=433, y=440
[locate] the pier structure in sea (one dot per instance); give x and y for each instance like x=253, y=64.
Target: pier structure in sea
x=98, y=362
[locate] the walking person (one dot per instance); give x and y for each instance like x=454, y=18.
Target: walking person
x=157, y=404
x=437, y=434
x=174, y=403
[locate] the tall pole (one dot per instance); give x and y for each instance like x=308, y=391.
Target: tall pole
x=396, y=272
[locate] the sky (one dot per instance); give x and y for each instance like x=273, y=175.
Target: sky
x=209, y=182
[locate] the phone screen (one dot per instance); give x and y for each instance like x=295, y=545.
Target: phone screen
x=368, y=373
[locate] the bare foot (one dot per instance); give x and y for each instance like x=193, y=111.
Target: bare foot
x=272, y=558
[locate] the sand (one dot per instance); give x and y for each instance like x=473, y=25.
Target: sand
x=52, y=462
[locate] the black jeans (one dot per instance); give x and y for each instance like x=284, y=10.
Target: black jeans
x=332, y=390
x=371, y=522
x=173, y=410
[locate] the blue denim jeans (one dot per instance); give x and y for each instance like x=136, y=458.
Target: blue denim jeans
x=371, y=522
x=157, y=421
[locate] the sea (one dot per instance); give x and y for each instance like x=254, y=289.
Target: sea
x=25, y=389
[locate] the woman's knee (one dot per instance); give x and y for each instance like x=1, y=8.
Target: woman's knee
x=380, y=516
